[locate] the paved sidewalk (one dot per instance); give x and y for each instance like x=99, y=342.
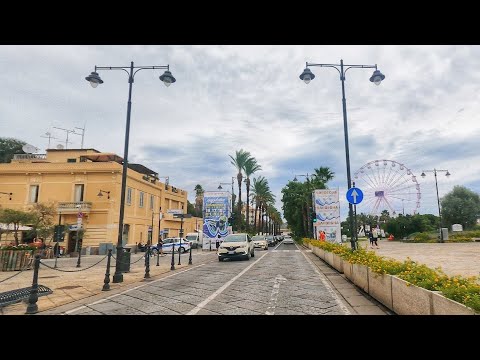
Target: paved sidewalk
x=71, y=286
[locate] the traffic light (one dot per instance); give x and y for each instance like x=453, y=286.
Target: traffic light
x=313, y=215
x=231, y=219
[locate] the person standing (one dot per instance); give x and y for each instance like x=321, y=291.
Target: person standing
x=375, y=238
x=322, y=235
x=370, y=237
x=217, y=242
x=160, y=247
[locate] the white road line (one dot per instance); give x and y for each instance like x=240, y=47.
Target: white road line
x=126, y=291
x=273, y=298
x=221, y=289
x=323, y=278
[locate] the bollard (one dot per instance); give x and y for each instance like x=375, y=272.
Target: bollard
x=32, y=307
x=158, y=257
x=179, y=252
x=79, y=252
x=56, y=255
x=136, y=248
x=190, y=257
x=147, y=264
x=106, y=281
x=172, y=266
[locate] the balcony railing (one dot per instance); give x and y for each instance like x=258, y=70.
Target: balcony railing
x=75, y=206
x=29, y=156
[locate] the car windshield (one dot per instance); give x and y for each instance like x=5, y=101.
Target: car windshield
x=235, y=238
x=258, y=238
x=192, y=237
x=270, y=237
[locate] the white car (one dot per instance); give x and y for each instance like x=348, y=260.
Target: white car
x=236, y=246
x=260, y=241
x=287, y=240
x=173, y=243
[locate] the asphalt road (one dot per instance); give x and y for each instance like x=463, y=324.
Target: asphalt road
x=275, y=282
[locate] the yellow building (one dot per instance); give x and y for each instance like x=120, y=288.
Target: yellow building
x=74, y=179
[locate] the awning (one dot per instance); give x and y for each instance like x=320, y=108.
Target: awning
x=103, y=157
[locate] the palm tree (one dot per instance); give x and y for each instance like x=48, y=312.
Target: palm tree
x=250, y=167
x=239, y=161
x=198, y=198
x=324, y=174
x=259, y=188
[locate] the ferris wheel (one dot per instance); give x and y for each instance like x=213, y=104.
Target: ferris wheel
x=387, y=185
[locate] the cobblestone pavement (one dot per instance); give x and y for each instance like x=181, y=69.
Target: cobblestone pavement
x=274, y=282
x=453, y=258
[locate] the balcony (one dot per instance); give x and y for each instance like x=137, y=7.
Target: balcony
x=74, y=207
x=30, y=157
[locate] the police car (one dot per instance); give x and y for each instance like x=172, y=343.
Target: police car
x=173, y=243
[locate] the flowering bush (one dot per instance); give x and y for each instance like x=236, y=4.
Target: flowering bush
x=18, y=247
x=460, y=289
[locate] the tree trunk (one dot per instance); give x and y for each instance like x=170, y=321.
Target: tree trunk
x=255, y=219
x=248, y=203
x=239, y=180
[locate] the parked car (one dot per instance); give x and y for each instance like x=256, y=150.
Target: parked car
x=236, y=246
x=260, y=241
x=271, y=240
x=287, y=240
x=173, y=243
x=195, y=238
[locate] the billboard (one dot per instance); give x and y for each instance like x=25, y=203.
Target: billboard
x=216, y=210
x=327, y=212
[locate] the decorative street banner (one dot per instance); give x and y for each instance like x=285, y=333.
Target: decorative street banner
x=216, y=208
x=327, y=211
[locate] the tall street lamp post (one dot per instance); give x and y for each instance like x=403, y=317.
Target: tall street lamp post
x=376, y=78
x=95, y=80
x=438, y=198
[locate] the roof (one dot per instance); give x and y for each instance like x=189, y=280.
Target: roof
x=73, y=150
x=103, y=157
x=142, y=169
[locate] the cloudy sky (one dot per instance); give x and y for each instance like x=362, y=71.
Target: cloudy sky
x=424, y=115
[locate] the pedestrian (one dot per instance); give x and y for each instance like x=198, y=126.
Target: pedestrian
x=322, y=235
x=160, y=247
x=370, y=237
x=217, y=242
x=375, y=237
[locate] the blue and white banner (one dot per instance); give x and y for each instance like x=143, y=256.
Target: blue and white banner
x=327, y=211
x=216, y=207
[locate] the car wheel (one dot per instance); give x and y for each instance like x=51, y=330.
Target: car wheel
x=182, y=250
x=265, y=248
x=155, y=252
x=247, y=257
x=219, y=259
x=253, y=253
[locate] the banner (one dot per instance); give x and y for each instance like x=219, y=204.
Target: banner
x=327, y=212
x=216, y=210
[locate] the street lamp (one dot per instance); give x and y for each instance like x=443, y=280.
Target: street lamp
x=377, y=77
x=438, y=198
x=95, y=80
x=100, y=193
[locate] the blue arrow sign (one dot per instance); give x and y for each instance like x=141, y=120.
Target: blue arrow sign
x=354, y=195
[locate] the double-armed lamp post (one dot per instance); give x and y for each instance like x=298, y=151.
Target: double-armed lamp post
x=377, y=77
x=95, y=80
x=438, y=198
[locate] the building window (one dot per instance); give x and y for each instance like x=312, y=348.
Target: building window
x=33, y=193
x=141, y=198
x=152, y=200
x=129, y=196
x=79, y=192
x=71, y=160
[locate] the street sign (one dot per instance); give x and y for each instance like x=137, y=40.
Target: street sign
x=182, y=215
x=174, y=211
x=80, y=215
x=354, y=195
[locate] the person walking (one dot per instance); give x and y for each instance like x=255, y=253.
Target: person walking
x=160, y=247
x=370, y=237
x=375, y=238
x=217, y=242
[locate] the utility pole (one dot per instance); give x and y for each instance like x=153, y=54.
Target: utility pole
x=82, y=134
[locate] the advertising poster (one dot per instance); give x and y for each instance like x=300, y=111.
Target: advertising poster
x=327, y=212
x=216, y=207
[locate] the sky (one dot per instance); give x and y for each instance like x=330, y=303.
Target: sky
x=424, y=115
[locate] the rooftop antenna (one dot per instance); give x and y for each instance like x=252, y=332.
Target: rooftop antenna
x=82, y=134
x=48, y=136
x=68, y=131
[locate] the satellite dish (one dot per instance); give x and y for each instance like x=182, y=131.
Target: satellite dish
x=59, y=146
x=29, y=149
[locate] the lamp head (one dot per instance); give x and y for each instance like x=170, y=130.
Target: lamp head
x=94, y=79
x=447, y=174
x=167, y=78
x=307, y=75
x=295, y=178
x=377, y=77
x=422, y=174
x=100, y=193
x=220, y=187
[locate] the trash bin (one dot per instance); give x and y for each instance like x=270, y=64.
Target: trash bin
x=125, y=260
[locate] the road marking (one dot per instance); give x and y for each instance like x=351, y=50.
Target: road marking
x=222, y=288
x=323, y=278
x=126, y=291
x=273, y=298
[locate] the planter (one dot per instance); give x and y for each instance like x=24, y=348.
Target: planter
x=337, y=263
x=360, y=276
x=329, y=258
x=380, y=287
x=409, y=299
x=445, y=306
x=321, y=254
x=11, y=260
x=348, y=269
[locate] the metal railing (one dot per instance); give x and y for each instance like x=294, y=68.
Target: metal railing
x=29, y=156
